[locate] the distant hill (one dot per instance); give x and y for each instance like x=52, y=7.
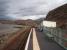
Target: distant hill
x=59, y=15
x=20, y=22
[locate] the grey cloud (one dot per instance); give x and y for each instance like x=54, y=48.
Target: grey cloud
x=28, y=7
x=3, y=7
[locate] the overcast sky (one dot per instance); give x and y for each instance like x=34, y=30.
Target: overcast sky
x=28, y=9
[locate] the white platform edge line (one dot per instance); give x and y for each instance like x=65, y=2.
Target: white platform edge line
x=27, y=43
x=35, y=41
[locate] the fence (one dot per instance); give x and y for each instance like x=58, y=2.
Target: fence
x=60, y=35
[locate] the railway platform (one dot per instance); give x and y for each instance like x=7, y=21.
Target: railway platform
x=38, y=41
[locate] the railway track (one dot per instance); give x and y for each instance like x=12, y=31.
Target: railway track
x=18, y=41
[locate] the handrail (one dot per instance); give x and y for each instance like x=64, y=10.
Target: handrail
x=28, y=40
